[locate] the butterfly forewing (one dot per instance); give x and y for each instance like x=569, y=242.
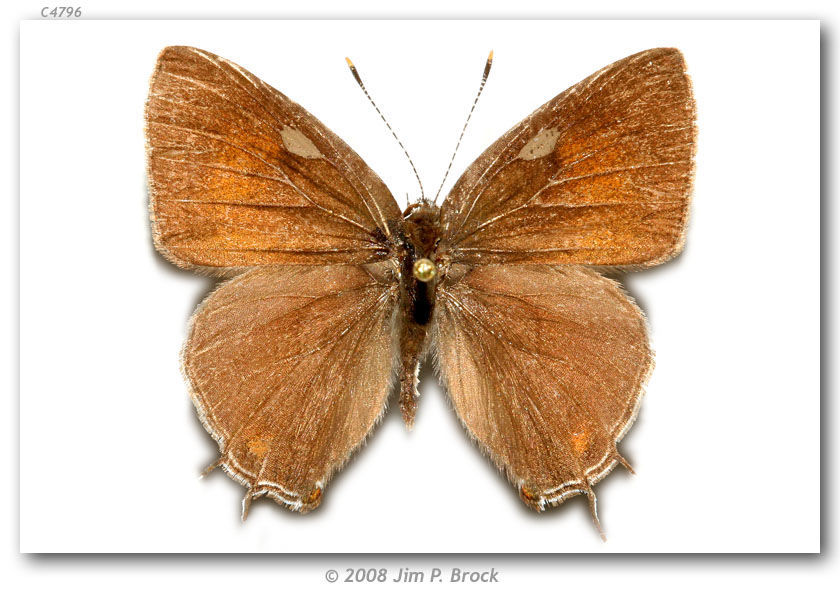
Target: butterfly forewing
x=290, y=367
x=545, y=366
x=240, y=175
x=599, y=175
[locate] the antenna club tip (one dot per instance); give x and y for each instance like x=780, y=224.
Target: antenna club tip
x=350, y=63
x=490, y=57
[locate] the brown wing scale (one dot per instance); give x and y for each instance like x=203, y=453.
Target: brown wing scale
x=545, y=366
x=290, y=368
x=240, y=175
x=599, y=175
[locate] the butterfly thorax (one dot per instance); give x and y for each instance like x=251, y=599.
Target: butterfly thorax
x=418, y=279
x=420, y=235
x=422, y=226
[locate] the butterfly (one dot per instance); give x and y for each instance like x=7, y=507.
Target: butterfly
x=333, y=295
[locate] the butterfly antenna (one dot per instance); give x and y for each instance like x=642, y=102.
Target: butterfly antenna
x=458, y=145
x=364, y=89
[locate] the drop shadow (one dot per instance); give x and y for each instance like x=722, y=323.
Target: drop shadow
x=163, y=264
x=627, y=278
x=828, y=99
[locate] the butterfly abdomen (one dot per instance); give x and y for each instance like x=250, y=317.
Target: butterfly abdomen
x=418, y=281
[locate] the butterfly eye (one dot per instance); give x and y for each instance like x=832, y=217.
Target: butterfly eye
x=424, y=270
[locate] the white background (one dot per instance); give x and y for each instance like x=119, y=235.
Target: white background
x=593, y=576
x=727, y=444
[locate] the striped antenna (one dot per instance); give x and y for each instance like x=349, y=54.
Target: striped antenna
x=362, y=85
x=472, y=108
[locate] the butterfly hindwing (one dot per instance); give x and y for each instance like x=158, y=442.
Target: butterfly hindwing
x=290, y=367
x=240, y=175
x=599, y=175
x=545, y=366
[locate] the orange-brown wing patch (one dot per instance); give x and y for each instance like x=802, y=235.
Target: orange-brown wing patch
x=290, y=368
x=240, y=175
x=599, y=175
x=545, y=366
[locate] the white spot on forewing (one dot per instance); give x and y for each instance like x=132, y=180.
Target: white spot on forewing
x=540, y=145
x=297, y=143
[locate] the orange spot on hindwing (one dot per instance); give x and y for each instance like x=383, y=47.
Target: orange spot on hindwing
x=580, y=441
x=531, y=497
x=258, y=446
